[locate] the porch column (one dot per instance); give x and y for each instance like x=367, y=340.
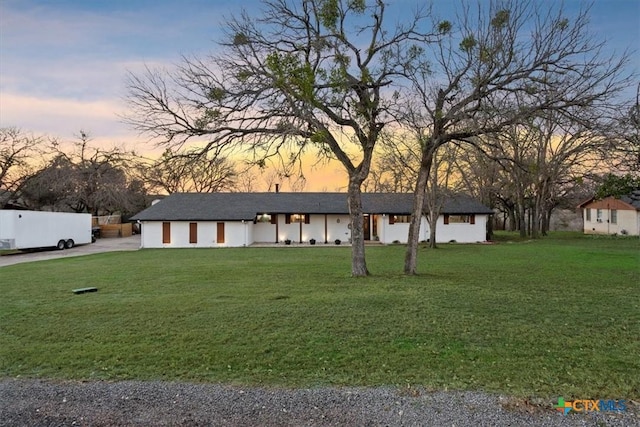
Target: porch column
x=325, y=228
x=274, y=220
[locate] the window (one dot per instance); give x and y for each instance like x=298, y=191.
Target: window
x=297, y=218
x=193, y=232
x=598, y=215
x=166, y=232
x=614, y=216
x=588, y=212
x=459, y=219
x=399, y=218
x=263, y=218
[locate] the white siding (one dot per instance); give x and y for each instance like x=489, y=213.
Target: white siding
x=314, y=230
x=288, y=231
x=151, y=234
x=236, y=234
x=628, y=220
x=338, y=228
x=462, y=232
x=244, y=233
x=265, y=232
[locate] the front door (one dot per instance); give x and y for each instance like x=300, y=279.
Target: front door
x=366, y=228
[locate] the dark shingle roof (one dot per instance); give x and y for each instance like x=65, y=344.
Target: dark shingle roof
x=245, y=206
x=632, y=198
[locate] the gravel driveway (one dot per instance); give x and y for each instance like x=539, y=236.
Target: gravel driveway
x=133, y=403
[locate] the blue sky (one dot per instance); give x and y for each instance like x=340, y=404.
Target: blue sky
x=63, y=62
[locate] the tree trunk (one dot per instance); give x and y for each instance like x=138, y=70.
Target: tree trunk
x=535, y=217
x=358, y=262
x=489, y=235
x=547, y=220
x=433, y=222
x=411, y=256
x=540, y=209
x=513, y=223
x=510, y=218
x=522, y=217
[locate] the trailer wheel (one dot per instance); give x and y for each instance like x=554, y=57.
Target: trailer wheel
x=69, y=244
x=61, y=245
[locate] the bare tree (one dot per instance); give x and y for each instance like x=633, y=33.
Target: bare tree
x=506, y=62
x=319, y=73
x=255, y=178
x=626, y=138
x=543, y=160
x=17, y=148
x=482, y=176
x=396, y=171
x=83, y=178
x=50, y=188
x=396, y=165
x=443, y=182
x=193, y=171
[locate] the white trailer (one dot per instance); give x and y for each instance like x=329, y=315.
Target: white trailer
x=36, y=229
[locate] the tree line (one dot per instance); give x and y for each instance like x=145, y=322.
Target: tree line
x=46, y=173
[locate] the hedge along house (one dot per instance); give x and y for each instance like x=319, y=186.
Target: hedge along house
x=612, y=215
x=242, y=219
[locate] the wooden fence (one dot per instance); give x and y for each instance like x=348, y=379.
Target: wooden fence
x=105, y=219
x=116, y=230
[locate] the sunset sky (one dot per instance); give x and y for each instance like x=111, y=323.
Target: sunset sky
x=63, y=62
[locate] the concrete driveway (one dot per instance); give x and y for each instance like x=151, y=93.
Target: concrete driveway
x=101, y=245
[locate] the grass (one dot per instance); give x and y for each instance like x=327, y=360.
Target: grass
x=559, y=316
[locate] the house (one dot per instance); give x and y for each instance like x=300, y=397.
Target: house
x=612, y=215
x=242, y=219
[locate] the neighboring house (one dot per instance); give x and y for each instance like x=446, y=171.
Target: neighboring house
x=612, y=215
x=242, y=219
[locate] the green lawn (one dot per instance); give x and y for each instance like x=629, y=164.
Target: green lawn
x=560, y=316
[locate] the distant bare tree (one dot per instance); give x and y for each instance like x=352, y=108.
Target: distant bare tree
x=396, y=166
x=18, y=151
x=193, y=171
x=84, y=178
x=626, y=138
x=443, y=181
x=251, y=179
x=482, y=176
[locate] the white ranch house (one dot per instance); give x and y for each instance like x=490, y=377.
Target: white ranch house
x=612, y=215
x=208, y=220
